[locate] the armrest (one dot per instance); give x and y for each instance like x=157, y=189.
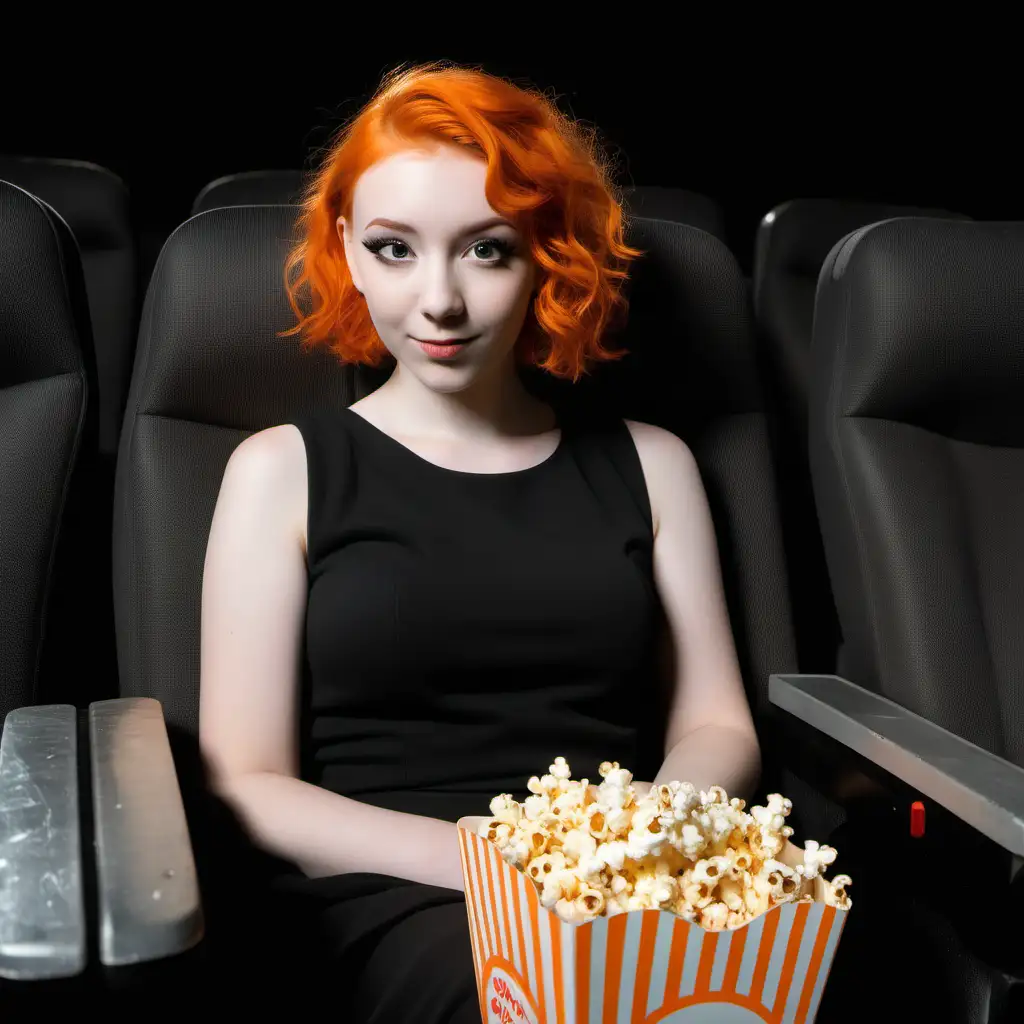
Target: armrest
x=42, y=907
x=978, y=787
x=148, y=894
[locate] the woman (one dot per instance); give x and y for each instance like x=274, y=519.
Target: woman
x=417, y=603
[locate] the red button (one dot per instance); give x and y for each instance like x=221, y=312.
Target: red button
x=917, y=819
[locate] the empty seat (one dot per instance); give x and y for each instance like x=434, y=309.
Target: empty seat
x=47, y=459
x=54, y=565
x=917, y=455
x=917, y=460
x=48, y=425
x=792, y=243
x=95, y=204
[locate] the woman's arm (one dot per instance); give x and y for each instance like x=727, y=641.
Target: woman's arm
x=710, y=739
x=328, y=834
x=715, y=755
x=253, y=613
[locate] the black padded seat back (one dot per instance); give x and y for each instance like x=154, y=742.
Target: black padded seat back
x=211, y=371
x=251, y=188
x=791, y=244
x=917, y=457
x=95, y=204
x=48, y=428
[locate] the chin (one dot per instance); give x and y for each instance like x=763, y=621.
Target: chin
x=448, y=381
x=448, y=377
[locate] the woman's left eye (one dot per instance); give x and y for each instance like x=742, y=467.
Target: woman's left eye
x=503, y=249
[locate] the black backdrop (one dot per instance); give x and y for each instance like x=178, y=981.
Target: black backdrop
x=750, y=131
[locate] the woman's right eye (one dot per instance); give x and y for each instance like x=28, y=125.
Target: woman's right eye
x=376, y=245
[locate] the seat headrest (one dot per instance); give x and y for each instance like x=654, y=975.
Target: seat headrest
x=931, y=331
x=93, y=200
x=46, y=329
x=802, y=231
x=251, y=188
x=208, y=349
x=689, y=333
x=217, y=300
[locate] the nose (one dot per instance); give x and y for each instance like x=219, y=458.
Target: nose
x=441, y=299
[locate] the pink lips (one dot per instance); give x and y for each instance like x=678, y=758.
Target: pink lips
x=442, y=350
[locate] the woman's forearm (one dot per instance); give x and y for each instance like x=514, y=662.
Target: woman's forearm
x=328, y=834
x=715, y=756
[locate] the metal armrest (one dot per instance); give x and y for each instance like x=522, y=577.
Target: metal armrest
x=149, y=904
x=978, y=787
x=42, y=908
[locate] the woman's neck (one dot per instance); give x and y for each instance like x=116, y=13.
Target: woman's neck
x=496, y=409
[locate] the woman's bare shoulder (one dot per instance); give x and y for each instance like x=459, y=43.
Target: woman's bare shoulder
x=281, y=452
x=661, y=454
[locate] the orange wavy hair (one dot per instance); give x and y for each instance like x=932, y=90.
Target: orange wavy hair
x=544, y=173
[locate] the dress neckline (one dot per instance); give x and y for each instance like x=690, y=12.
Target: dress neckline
x=536, y=467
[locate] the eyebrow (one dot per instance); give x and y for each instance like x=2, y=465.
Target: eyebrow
x=395, y=225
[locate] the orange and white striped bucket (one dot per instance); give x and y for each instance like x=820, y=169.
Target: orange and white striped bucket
x=642, y=967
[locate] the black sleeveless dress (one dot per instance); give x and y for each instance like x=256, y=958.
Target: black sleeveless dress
x=462, y=631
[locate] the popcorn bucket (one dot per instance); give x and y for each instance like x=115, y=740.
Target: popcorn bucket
x=640, y=967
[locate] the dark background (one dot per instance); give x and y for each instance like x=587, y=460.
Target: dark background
x=750, y=130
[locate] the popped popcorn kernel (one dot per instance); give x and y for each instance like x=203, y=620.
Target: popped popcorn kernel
x=698, y=894
x=590, y=901
x=560, y=884
x=578, y=844
x=816, y=858
x=568, y=910
x=536, y=806
x=542, y=865
x=714, y=917
x=836, y=894
x=505, y=808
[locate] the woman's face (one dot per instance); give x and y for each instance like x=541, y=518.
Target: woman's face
x=435, y=263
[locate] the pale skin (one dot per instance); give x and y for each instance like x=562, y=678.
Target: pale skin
x=472, y=414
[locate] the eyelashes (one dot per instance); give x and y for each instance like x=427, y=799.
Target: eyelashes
x=505, y=249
